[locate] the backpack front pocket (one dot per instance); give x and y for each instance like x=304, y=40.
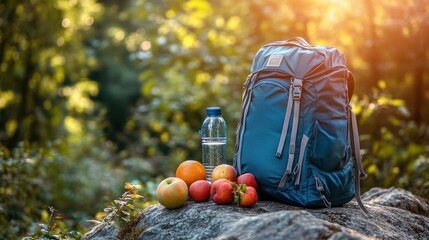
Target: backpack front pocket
x=334, y=188
x=259, y=142
x=329, y=151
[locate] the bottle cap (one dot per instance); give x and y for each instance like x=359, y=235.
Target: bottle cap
x=213, y=111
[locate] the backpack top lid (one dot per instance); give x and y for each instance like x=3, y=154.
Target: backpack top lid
x=303, y=60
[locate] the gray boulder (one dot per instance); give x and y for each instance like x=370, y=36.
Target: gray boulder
x=394, y=214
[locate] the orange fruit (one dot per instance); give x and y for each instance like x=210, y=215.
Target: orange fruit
x=191, y=171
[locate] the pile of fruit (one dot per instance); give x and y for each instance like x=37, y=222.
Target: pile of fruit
x=191, y=181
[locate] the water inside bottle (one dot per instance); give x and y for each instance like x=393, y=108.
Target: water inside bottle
x=214, y=153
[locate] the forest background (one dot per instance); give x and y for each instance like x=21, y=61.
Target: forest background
x=94, y=94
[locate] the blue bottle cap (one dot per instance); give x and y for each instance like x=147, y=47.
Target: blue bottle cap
x=213, y=111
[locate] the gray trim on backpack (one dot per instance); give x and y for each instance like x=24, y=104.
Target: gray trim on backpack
x=295, y=94
x=297, y=90
x=298, y=169
x=285, y=125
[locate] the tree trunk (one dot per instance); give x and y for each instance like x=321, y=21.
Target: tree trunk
x=418, y=78
x=418, y=93
x=6, y=28
x=24, y=93
x=373, y=54
x=421, y=39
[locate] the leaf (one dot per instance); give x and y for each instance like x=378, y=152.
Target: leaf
x=49, y=236
x=126, y=213
x=131, y=206
x=236, y=198
x=74, y=234
x=372, y=169
x=96, y=222
x=129, y=187
x=136, y=196
x=44, y=226
x=119, y=202
x=398, y=102
x=53, y=226
x=404, y=111
x=109, y=209
x=243, y=188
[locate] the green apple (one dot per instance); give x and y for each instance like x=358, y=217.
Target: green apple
x=172, y=192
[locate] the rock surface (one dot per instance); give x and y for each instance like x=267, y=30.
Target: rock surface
x=394, y=214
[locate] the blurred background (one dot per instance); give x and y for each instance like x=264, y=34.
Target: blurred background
x=94, y=94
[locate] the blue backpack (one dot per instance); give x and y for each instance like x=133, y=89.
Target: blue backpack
x=297, y=133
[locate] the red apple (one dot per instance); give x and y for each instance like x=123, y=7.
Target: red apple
x=222, y=192
x=248, y=197
x=248, y=179
x=172, y=192
x=199, y=191
x=224, y=171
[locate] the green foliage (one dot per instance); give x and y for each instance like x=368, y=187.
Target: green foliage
x=21, y=198
x=54, y=229
x=32, y=182
x=123, y=209
x=395, y=151
x=43, y=68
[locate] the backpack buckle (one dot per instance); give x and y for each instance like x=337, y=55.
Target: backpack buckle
x=297, y=88
x=296, y=93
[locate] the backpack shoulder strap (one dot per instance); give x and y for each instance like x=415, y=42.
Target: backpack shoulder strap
x=350, y=85
x=357, y=159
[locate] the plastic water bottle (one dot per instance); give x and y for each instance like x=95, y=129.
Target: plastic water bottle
x=213, y=136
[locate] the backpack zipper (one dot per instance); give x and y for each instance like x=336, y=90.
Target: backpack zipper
x=268, y=81
x=320, y=189
x=246, y=103
x=248, y=86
